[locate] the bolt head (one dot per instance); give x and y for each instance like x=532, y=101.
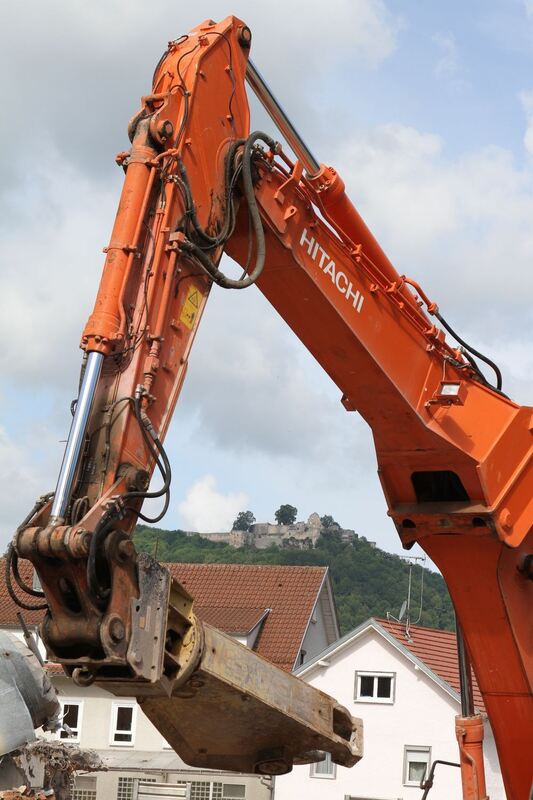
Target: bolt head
x=117, y=630
x=245, y=36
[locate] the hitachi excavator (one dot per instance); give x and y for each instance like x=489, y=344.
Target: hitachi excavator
x=454, y=452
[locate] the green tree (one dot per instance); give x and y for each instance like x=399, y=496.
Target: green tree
x=243, y=522
x=367, y=581
x=286, y=514
x=328, y=521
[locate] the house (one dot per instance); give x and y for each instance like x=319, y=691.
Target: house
x=404, y=684
x=286, y=614
x=294, y=606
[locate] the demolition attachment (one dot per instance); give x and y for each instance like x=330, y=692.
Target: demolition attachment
x=217, y=703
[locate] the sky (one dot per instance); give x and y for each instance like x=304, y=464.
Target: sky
x=425, y=109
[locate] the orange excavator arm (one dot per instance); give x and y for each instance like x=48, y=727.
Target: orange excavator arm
x=113, y=616
x=454, y=453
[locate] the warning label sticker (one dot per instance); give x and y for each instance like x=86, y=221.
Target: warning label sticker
x=191, y=307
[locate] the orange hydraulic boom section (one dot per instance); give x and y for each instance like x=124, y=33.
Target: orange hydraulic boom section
x=454, y=452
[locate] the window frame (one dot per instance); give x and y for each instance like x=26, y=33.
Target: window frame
x=329, y=776
x=71, y=701
x=116, y=704
x=415, y=748
x=363, y=673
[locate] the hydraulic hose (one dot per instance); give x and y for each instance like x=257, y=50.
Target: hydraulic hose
x=248, y=187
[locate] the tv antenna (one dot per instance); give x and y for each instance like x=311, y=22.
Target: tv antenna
x=405, y=610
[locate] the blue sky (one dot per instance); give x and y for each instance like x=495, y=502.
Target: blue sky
x=426, y=109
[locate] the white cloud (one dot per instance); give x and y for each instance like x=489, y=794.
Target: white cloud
x=526, y=99
x=21, y=482
x=528, y=6
x=52, y=234
x=206, y=509
x=254, y=388
x=461, y=226
x=365, y=28
x=447, y=64
x=115, y=46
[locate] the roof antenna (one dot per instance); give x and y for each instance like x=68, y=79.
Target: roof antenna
x=405, y=610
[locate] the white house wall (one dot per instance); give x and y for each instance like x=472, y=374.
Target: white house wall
x=422, y=715
x=316, y=638
x=495, y=788
x=95, y=734
x=96, y=718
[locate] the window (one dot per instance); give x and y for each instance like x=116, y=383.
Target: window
x=84, y=794
x=123, y=723
x=200, y=790
x=71, y=713
x=84, y=788
x=415, y=764
x=324, y=769
x=205, y=790
x=233, y=791
x=127, y=785
x=374, y=687
x=125, y=788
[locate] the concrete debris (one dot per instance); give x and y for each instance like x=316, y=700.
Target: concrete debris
x=53, y=764
x=26, y=793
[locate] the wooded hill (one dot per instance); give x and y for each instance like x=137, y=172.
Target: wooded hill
x=367, y=581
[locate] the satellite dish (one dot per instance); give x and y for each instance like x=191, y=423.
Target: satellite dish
x=402, y=610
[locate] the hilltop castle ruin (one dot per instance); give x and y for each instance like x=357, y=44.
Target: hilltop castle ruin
x=299, y=535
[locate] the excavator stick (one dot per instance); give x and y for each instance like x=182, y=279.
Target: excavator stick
x=113, y=617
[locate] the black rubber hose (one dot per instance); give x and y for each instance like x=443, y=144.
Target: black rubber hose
x=248, y=186
x=474, y=352
x=105, y=525
x=103, y=528
x=11, y=564
x=20, y=583
x=222, y=235
x=9, y=586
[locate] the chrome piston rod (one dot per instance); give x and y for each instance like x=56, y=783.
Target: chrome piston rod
x=76, y=437
x=280, y=118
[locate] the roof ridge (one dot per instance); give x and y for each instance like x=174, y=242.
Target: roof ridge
x=291, y=567
x=415, y=627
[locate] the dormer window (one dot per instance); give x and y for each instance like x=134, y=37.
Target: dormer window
x=374, y=687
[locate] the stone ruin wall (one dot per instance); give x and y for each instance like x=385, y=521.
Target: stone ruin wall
x=302, y=535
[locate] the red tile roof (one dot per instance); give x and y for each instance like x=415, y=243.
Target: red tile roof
x=290, y=593
x=231, y=620
x=232, y=597
x=437, y=649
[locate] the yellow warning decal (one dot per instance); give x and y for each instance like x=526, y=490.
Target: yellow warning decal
x=191, y=307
